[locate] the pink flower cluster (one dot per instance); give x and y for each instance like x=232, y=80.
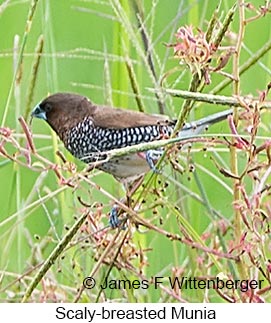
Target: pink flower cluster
x=193, y=49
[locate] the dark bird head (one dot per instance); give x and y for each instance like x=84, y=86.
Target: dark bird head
x=63, y=111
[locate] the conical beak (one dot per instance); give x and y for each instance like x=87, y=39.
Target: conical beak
x=38, y=113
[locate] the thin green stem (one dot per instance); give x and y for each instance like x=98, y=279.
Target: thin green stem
x=48, y=263
x=30, y=16
x=233, y=151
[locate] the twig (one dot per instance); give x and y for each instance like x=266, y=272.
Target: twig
x=252, y=60
x=149, y=51
x=104, y=157
x=31, y=12
x=28, y=135
x=34, y=73
x=134, y=84
x=53, y=256
x=233, y=150
x=99, y=263
x=215, y=99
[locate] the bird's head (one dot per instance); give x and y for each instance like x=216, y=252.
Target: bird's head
x=63, y=110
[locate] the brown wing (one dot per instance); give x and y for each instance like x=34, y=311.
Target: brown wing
x=108, y=117
x=68, y=109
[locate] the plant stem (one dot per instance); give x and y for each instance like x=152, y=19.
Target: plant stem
x=53, y=256
x=233, y=152
x=215, y=99
x=31, y=12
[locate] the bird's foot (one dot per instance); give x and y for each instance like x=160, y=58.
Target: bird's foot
x=114, y=220
x=152, y=156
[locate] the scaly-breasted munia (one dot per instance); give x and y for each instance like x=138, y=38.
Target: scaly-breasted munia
x=87, y=129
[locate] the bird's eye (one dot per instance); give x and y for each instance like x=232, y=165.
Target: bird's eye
x=47, y=107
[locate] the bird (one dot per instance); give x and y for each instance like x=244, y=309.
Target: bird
x=89, y=130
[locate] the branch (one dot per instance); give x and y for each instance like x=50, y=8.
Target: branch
x=215, y=99
x=104, y=157
x=53, y=256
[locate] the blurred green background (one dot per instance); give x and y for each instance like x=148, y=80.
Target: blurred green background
x=85, y=44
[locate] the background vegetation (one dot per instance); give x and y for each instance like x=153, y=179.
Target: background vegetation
x=209, y=217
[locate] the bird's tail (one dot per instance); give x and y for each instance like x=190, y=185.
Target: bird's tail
x=198, y=126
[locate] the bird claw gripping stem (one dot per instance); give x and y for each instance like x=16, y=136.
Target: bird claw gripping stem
x=152, y=156
x=114, y=220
